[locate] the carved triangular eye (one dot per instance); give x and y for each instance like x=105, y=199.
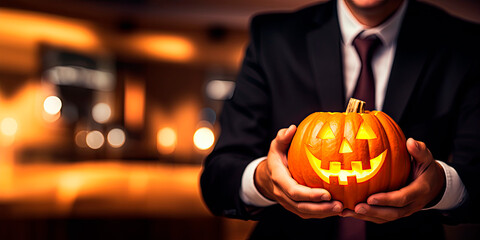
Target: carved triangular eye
x=345, y=147
x=326, y=132
x=365, y=132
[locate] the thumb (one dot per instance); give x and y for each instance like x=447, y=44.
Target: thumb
x=422, y=158
x=284, y=137
x=419, y=151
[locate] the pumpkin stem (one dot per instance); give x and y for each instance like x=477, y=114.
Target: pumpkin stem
x=356, y=106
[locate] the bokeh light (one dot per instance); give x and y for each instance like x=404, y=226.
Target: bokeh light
x=52, y=105
x=101, y=112
x=203, y=138
x=95, y=139
x=220, y=89
x=166, y=140
x=209, y=115
x=116, y=137
x=164, y=46
x=9, y=126
x=81, y=139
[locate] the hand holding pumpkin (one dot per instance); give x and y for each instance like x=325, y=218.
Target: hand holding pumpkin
x=352, y=155
x=273, y=180
x=427, y=185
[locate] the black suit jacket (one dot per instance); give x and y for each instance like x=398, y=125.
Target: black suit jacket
x=293, y=67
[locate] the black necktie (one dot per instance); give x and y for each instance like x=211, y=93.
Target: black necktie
x=365, y=89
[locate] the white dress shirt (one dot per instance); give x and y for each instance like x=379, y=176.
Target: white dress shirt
x=455, y=191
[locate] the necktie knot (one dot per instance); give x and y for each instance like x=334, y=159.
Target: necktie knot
x=366, y=47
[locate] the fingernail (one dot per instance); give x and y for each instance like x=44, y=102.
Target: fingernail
x=337, y=208
x=361, y=211
x=373, y=201
x=325, y=197
x=290, y=128
x=416, y=144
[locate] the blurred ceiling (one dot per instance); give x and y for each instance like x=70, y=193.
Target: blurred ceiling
x=127, y=15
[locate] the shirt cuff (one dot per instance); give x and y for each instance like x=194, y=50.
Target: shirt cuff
x=455, y=192
x=248, y=192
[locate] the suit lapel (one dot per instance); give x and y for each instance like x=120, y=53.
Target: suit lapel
x=410, y=57
x=324, y=49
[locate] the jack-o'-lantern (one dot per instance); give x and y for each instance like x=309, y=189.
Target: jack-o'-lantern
x=352, y=154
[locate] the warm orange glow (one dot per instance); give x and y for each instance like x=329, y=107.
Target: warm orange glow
x=9, y=126
x=138, y=183
x=47, y=28
x=335, y=169
x=16, y=111
x=365, y=132
x=134, y=103
x=7, y=171
x=166, y=140
x=137, y=188
x=345, y=147
x=51, y=118
x=203, y=138
x=326, y=132
x=26, y=107
x=68, y=187
x=183, y=119
x=164, y=46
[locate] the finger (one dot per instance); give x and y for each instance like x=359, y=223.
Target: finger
x=333, y=207
x=350, y=213
x=283, y=139
x=383, y=213
x=297, y=192
x=283, y=181
x=312, y=210
x=398, y=198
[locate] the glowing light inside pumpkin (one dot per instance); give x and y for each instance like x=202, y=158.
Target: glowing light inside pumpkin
x=336, y=171
x=326, y=133
x=345, y=147
x=365, y=132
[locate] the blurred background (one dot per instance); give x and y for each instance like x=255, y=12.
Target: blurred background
x=108, y=108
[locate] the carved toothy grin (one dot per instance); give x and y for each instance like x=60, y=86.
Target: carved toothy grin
x=342, y=175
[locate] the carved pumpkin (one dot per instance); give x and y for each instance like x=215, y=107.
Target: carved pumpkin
x=351, y=154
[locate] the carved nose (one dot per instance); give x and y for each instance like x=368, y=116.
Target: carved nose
x=345, y=147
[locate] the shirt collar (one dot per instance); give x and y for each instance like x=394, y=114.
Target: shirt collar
x=350, y=27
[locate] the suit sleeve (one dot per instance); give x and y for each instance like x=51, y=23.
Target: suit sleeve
x=466, y=148
x=245, y=136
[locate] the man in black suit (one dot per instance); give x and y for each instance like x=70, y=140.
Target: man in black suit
x=427, y=78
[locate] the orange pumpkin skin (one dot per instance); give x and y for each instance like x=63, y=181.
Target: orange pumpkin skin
x=334, y=151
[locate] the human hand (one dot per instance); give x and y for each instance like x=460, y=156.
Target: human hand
x=274, y=181
x=428, y=184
